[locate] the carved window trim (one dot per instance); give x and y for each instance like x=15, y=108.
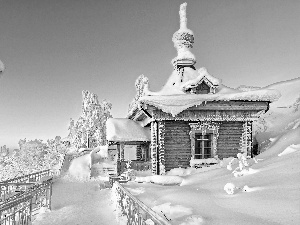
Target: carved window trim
x=204, y=128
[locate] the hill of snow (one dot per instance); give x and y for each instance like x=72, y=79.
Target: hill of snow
x=283, y=115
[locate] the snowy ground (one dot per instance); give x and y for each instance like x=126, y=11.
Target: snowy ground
x=273, y=196
x=78, y=202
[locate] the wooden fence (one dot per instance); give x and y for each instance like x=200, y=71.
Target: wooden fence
x=136, y=212
x=22, y=197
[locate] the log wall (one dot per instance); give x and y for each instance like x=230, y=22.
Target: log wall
x=228, y=144
x=177, y=144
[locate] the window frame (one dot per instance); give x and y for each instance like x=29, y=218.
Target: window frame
x=210, y=128
x=202, y=139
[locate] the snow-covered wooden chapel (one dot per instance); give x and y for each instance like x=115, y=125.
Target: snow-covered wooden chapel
x=193, y=119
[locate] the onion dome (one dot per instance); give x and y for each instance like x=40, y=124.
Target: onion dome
x=183, y=40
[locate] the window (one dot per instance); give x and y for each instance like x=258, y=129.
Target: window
x=203, y=144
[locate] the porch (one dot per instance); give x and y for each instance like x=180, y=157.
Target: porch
x=132, y=144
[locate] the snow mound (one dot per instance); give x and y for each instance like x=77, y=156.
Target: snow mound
x=230, y=188
x=283, y=141
x=190, y=171
x=251, y=189
x=193, y=220
x=289, y=92
x=172, y=212
x=80, y=168
x=195, y=162
x=160, y=179
x=290, y=149
x=99, y=153
x=136, y=191
x=245, y=172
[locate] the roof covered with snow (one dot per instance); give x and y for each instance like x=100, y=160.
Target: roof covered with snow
x=179, y=82
x=175, y=104
x=126, y=130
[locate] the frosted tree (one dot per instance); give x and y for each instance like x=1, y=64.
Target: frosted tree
x=141, y=86
x=90, y=128
x=32, y=156
x=55, y=152
x=4, y=151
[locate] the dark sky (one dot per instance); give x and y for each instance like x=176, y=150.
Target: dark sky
x=54, y=49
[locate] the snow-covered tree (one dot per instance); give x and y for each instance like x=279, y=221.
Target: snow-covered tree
x=141, y=85
x=90, y=128
x=4, y=151
x=32, y=156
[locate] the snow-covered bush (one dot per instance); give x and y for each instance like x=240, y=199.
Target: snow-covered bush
x=160, y=179
x=128, y=174
x=230, y=188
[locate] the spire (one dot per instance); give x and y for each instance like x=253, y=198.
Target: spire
x=183, y=40
x=182, y=14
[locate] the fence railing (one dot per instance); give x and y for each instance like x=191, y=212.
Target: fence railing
x=32, y=177
x=16, y=212
x=136, y=212
x=21, y=184
x=21, y=201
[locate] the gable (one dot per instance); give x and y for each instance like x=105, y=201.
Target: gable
x=204, y=86
x=204, y=83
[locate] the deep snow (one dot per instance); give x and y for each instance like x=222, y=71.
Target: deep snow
x=78, y=202
x=77, y=198
x=270, y=196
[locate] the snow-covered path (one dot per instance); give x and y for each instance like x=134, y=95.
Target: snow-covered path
x=82, y=203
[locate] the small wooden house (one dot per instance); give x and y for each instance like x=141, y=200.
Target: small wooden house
x=195, y=119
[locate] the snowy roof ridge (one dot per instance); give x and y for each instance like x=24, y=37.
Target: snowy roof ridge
x=175, y=104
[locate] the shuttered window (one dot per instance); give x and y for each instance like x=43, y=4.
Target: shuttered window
x=203, y=144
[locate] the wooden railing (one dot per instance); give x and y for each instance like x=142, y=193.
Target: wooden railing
x=20, y=201
x=136, y=212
